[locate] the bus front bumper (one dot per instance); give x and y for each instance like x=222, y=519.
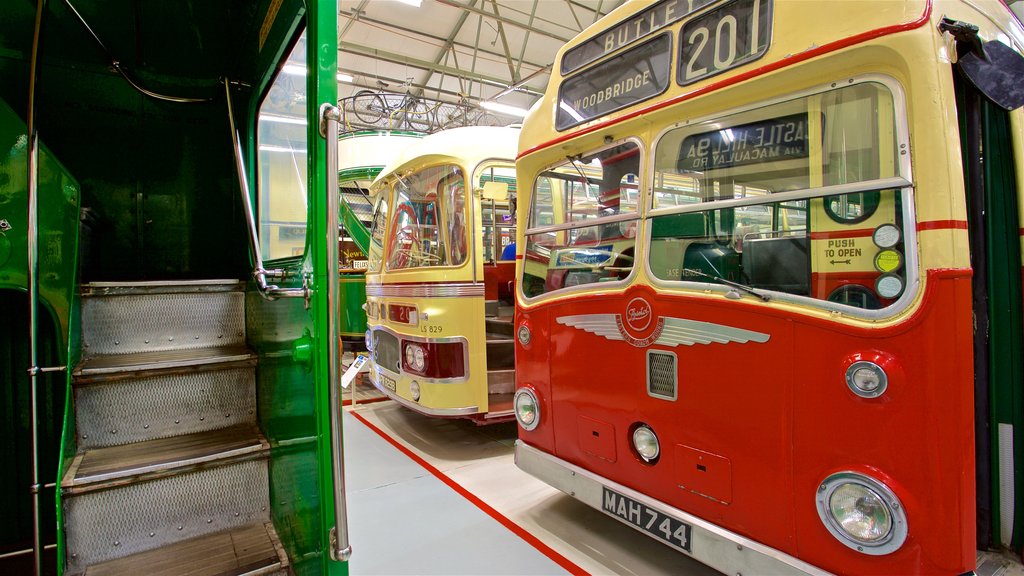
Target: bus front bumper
x=416, y=407
x=710, y=544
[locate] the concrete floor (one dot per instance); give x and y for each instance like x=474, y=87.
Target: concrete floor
x=405, y=519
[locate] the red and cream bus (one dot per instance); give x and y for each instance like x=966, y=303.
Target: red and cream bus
x=769, y=281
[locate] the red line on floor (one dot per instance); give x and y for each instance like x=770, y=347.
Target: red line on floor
x=501, y=518
x=366, y=401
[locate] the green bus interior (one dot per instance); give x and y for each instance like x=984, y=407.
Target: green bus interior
x=140, y=197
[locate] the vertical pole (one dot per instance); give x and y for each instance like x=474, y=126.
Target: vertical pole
x=33, y=292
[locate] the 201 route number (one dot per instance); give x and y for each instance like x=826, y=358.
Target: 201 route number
x=737, y=33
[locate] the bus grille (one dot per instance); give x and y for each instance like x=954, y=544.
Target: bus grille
x=661, y=374
x=385, y=351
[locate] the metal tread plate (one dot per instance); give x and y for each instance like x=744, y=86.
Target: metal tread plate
x=161, y=287
x=132, y=364
x=104, y=525
x=249, y=550
x=116, y=465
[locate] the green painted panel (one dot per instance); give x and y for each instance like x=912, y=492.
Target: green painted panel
x=1005, y=298
x=352, y=323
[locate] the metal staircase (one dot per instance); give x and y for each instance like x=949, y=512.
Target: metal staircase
x=501, y=361
x=171, y=474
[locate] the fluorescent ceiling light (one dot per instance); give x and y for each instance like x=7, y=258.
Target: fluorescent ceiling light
x=294, y=69
x=344, y=77
x=415, y=3
x=504, y=109
x=282, y=119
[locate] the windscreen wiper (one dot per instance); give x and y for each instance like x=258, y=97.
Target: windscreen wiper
x=730, y=283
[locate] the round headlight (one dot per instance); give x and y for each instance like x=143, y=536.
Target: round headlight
x=527, y=409
x=889, y=285
x=645, y=442
x=886, y=236
x=415, y=357
x=866, y=379
x=524, y=334
x=414, y=390
x=369, y=340
x=862, y=513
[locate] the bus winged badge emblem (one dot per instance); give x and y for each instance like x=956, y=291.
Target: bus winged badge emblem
x=634, y=327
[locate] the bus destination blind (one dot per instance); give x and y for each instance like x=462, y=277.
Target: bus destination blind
x=640, y=26
x=782, y=138
x=633, y=76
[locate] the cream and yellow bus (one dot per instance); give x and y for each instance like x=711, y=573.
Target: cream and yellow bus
x=439, y=299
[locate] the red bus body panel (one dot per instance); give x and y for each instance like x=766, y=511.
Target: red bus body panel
x=768, y=422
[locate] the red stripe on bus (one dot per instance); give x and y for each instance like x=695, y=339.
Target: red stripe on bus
x=779, y=64
x=516, y=529
x=427, y=282
x=942, y=225
x=860, y=233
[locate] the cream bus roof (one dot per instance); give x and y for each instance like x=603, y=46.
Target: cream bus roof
x=470, y=145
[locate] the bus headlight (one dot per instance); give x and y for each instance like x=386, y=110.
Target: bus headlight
x=527, y=408
x=369, y=340
x=415, y=357
x=645, y=442
x=866, y=379
x=524, y=334
x=414, y=390
x=862, y=513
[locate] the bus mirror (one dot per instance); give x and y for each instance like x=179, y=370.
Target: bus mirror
x=497, y=191
x=997, y=74
x=994, y=68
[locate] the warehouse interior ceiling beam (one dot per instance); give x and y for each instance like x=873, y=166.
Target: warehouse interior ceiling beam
x=459, y=50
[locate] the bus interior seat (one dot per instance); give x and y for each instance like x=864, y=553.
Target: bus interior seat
x=781, y=264
x=713, y=259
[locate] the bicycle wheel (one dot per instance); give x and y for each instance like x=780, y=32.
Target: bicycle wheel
x=419, y=116
x=368, y=106
x=488, y=119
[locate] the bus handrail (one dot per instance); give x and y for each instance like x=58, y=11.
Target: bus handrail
x=259, y=273
x=340, y=548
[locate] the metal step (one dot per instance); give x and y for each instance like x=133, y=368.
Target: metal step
x=110, y=366
x=490, y=308
x=137, y=517
x=501, y=382
x=499, y=326
x=501, y=354
x=499, y=407
x=155, y=316
x=249, y=550
x=109, y=467
x=161, y=404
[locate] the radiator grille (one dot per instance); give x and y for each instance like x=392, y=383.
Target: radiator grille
x=661, y=374
x=385, y=351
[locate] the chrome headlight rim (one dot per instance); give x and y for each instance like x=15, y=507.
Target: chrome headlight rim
x=524, y=335
x=851, y=382
x=536, y=408
x=415, y=357
x=368, y=340
x=898, y=529
x=645, y=428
